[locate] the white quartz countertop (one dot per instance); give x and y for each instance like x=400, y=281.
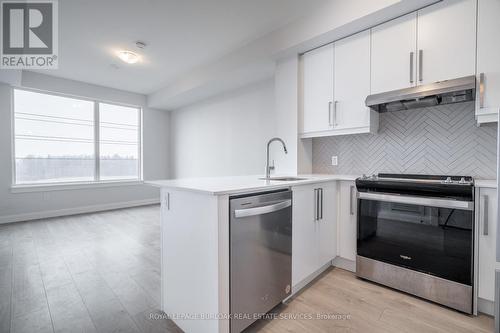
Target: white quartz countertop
x=485, y=183
x=241, y=184
x=248, y=184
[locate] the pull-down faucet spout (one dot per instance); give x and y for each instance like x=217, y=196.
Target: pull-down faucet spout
x=268, y=168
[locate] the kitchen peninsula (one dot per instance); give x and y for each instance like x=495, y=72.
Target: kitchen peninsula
x=195, y=240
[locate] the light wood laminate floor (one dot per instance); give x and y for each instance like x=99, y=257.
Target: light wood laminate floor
x=362, y=306
x=101, y=273
x=84, y=273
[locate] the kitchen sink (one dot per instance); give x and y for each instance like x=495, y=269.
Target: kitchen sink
x=284, y=179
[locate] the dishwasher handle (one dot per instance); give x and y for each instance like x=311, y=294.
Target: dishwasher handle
x=263, y=209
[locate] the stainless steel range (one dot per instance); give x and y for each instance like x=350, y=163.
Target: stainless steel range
x=416, y=234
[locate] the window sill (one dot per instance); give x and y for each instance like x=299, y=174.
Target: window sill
x=72, y=186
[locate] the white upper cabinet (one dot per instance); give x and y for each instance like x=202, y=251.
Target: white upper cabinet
x=488, y=63
x=393, y=58
x=446, y=41
x=352, y=85
x=433, y=44
x=318, y=89
x=336, y=82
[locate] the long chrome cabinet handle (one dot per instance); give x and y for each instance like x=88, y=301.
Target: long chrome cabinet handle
x=420, y=65
x=316, y=204
x=351, y=202
x=330, y=114
x=263, y=209
x=481, y=90
x=412, y=54
x=335, y=113
x=166, y=200
x=320, y=217
x=483, y=212
x=423, y=201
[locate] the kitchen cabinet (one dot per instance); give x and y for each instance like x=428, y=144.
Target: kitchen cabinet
x=433, y=44
x=488, y=64
x=352, y=85
x=336, y=81
x=327, y=225
x=318, y=89
x=314, y=233
x=347, y=223
x=487, y=222
x=393, y=54
x=446, y=41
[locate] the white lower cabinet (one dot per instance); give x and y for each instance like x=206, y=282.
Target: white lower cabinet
x=314, y=235
x=347, y=223
x=487, y=221
x=327, y=225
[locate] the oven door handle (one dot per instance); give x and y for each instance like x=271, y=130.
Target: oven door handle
x=418, y=201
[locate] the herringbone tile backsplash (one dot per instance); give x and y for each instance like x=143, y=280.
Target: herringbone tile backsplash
x=437, y=140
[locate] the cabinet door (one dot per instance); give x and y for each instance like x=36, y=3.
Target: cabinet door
x=347, y=222
x=304, y=233
x=393, y=54
x=352, y=81
x=446, y=41
x=318, y=89
x=314, y=231
x=327, y=225
x=487, y=242
x=488, y=63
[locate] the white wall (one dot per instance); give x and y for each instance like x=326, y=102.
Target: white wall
x=21, y=206
x=288, y=106
x=225, y=135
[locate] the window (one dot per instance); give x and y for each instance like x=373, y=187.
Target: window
x=118, y=144
x=65, y=140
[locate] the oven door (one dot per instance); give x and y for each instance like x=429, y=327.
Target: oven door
x=430, y=235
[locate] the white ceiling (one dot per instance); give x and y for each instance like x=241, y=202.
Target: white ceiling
x=180, y=34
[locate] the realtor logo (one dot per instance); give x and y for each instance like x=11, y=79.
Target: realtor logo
x=29, y=34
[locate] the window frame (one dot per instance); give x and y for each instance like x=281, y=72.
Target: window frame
x=96, y=182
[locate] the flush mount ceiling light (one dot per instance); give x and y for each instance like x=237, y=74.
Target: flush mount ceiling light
x=128, y=57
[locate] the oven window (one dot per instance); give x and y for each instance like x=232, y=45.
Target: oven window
x=437, y=241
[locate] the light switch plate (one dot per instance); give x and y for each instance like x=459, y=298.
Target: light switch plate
x=335, y=160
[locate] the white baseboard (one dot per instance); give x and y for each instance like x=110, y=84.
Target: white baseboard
x=348, y=265
x=76, y=210
x=485, y=306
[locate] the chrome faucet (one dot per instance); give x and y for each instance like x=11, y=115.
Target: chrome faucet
x=268, y=168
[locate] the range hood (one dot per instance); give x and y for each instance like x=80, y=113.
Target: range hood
x=443, y=92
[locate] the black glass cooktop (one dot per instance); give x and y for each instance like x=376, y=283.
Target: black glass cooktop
x=439, y=186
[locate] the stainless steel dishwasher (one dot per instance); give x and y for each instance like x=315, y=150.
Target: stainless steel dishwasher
x=260, y=255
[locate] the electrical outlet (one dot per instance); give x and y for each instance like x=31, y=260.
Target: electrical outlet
x=335, y=160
